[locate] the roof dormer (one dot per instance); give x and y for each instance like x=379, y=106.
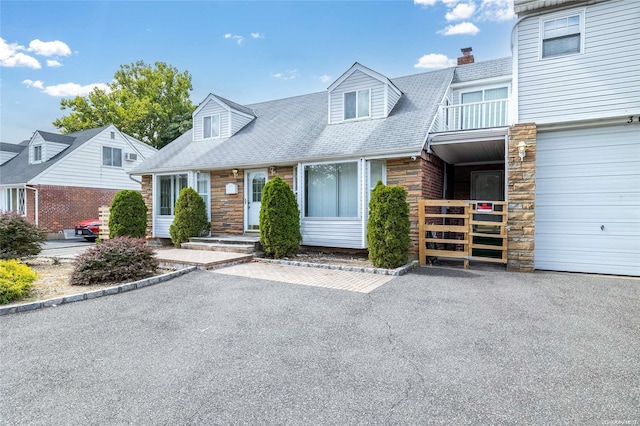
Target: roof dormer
x=360, y=94
x=217, y=118
x=9, y=151
x=44, y=145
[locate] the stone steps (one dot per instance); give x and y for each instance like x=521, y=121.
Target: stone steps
x=246, y=244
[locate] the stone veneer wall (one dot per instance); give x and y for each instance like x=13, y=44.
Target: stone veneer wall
x=147, y=196
x=521, y=198
x=422, y=178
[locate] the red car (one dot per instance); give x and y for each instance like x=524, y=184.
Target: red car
x=88, y=229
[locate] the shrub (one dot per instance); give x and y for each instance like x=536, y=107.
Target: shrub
x=388, y=226
x=191, y=217
x=15, y=280
x=279, y=220
x=18, y=237
x=114, y=261
x=128, y=215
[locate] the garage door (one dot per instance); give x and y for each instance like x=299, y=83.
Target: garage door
x=588, y=200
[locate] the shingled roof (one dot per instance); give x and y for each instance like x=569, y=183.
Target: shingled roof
x=295, y=129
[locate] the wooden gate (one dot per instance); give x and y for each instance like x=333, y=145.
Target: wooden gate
x=462, y=229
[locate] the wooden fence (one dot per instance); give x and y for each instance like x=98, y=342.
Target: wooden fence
x=462, y=229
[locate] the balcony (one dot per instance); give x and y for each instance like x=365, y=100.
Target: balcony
x=473, y=116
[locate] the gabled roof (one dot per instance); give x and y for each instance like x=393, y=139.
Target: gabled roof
x=295, y=130
x=359, y=67
x=19, y=171
x=225, y=103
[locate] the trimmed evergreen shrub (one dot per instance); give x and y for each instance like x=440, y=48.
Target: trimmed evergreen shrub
x=190, y=217
x=19, y=237
x=128, y=215
x=118, y=260
x=388, y=227
x=279, y=220
x=15, y=280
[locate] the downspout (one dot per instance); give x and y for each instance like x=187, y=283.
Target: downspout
x=139, y=182
x=35, y=204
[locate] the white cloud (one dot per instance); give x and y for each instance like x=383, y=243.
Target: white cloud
x=66, y=89
x=460, y=12
x=288, y=75
x=435, y=60
x=496, y=10
x=257, y=35
x=238, y=38
x=49, y=48
x=53, y=63
x=324, y=78
x=425, y=2
x=458, y=29
x=11, y=57
x=30, y=83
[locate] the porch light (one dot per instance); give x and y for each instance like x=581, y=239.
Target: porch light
x=273, y=170
x=522, y=150
x=235, y=173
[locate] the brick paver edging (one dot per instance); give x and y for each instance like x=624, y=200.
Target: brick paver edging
x=381, y=271
x=94, y=294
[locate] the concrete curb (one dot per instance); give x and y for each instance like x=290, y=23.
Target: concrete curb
x=122, y=288
x=380, y=271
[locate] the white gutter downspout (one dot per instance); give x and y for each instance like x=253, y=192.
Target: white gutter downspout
x=35, y=203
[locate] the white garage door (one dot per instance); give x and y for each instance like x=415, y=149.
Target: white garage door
x=588, y=200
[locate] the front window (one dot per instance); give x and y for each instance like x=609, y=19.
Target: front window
x=111, y=156
x=211, y=126
x=14, y=200
x=356, y=104
x=486, y=108
x=169, y=187
x=331, y=190
x=37, y=153
x=203, y=187
x=561, y=36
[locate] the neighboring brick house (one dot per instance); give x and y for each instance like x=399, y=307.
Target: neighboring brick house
x=333, y=146
x=57, y=180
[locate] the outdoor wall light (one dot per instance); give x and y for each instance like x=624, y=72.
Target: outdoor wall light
x=235, y=173
x=273, y=170
x=522, y=150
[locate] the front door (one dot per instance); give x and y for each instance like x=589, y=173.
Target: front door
x=256, y=179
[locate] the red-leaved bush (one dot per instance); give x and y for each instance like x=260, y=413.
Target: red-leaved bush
x=118, y=260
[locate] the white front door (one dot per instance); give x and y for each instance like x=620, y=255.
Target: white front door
x=255, y=181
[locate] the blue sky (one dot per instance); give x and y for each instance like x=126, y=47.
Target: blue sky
x=246, y=51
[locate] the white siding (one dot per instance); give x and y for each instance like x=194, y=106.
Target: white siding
x=83, y=166
x=357, y=81
x=238, y=121
x=37, y=140
x=211, y=108
x=51, y=149
x=392, y=99
x=588, y=179
x=161, y=226
x=6, y=156
x=332, y=233
x=603, y=81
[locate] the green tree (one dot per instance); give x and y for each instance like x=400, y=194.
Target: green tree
x=128, y=215
x=190, y=219
x=150, y=103
x=279, y=220
x=388, y=226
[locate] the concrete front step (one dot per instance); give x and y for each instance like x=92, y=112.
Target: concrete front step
x=228, y=239
x=180, y=258
x=229, y=248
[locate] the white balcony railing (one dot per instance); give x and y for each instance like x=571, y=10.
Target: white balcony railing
x=473, y=115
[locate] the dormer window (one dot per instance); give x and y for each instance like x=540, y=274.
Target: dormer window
x=211, y=126
x=37, y=153
x=357, y=104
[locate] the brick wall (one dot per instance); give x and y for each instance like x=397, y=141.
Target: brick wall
x=61, y=207
x=423, y=178
x=521, y=199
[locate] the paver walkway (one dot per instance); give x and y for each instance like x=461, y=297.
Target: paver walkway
x=327, y=278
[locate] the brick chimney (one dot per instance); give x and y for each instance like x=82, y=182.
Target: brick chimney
x=467, y=57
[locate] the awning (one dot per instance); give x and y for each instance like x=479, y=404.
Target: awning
x=470, y=147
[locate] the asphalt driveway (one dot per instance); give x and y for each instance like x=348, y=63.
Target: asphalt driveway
x=443, y=347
